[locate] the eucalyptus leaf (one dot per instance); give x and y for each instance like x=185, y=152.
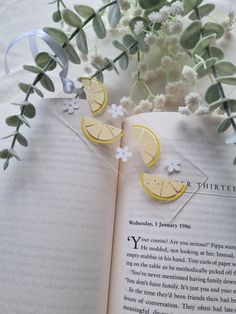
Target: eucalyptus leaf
x=229, y=80
x=81, y=93
x=130, y=41
x=33, y=69
x=4, y=154
x=114, y=15
x=12, y=120
x=119, y=46
x=81, y=42
x=47, y=83
x=113, y=66
x=224, y=126
x=43, y=59
x=215, y=52
x=190, y=5
x=84, y=11
x=203, y=44
x=99, y=27
x=221, y=102
x=30, y=111
x=23, y=120
x=25, y=88
x=56, y=34
x=21, y=103
x=13, y=153
x=9, y=135
x=56, y=16
x=191, y=35
x=212, y=93
x=203, y=10
x=213, y=28
x=124, y=62
x=71, y=18
x=203, y=69
x=73, y=56
x=225, y=68
x=21, y=140
x=149, y=4
x=6, y=164
x=142, y=46
x=99, y=76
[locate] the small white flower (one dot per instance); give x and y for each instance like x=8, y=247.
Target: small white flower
x=202, y=110
x=70, y=105
x=126, y=101
x=98, y=60
x=189, y=74
x=173, y=166
x=166, y=62
x=123, y=153
x=164, y=13
x=138, y=12
x=138, y=27
x=116, y=111
x=124, y=5
x=150, y=39
x=154, y=17
x=176, y=8
x=185, y=110
x=193, y=100
x=176, y=27
x=159, y=101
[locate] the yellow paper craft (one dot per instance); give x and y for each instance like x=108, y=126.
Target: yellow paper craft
x=100, y=133
x=96, y=94
x=149, y=144
x=162, y=189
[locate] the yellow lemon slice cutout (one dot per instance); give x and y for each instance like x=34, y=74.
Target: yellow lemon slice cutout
x=149, y=144
x=96, y=94
x=99, y=132
x=162, y=189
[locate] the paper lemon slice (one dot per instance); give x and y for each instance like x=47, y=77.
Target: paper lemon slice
x=162, y=189
x=96, y=94
x=100, y=133
x=149, y=144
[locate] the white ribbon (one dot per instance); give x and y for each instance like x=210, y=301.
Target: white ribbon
x=68, y=85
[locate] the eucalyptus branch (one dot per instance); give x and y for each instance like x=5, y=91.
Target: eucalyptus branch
x=9, y=153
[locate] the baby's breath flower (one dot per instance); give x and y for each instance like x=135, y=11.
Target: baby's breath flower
x=138, y=27
x=176, y=8
x=164, y=13
x=143, y=106
x=150, y=39
x=154, y=17
x=202, y=110
x=176, y=27
x=98, y=60
x=159, y=102
x=125, y=21
x=184, y=110
x=166, y=62
x=189, y=74
x=138, y=12
x=124, y=5
x=173, y=40
x=126, y=102
x=193, y=100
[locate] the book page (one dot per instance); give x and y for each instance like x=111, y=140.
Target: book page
x=188, y=265
x=56, y=217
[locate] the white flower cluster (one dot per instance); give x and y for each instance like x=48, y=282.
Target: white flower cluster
x=145, y=105
x=138, y=27
x=229, y=24
x=124, y=5
x=189, y=75
x=176, y=8
x=193, y=104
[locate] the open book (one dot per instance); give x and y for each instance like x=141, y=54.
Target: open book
x=76, y=237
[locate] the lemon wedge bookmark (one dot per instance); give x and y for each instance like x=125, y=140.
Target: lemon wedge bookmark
x=149, y=144
x=99, y=132
x=96, y=94
x=162, y=189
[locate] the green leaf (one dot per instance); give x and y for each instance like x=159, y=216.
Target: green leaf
x=4, y=154
x=23, y=120
x=32, y=69
x=203, y=44
x=99, y=27
x=225, y=68
x=124, y=62
x=203, y=10
x=47, y=83
x=25, y=87
x=203, y=69
x=56, y=34
x=71, y=18
x=84, y=10
x=21, y=140
x=99, y=76
x=129, y=41
x=221, y=102
x=10, y=135
x=191, y=35
x=56, y=16
x=142, y=46
x=13, y=153
x=81, y=93
x=43, y=58
x=190, y=5
x=113, y=66
x=12, y=120
x=114, y=15
x=215, y=52
x=81, y=42
x=229, y=80
x=212, y=94
x=149, y=4
x=213, y=28
x=21, y=103
x=73, y=56
x=224, y=126
x=6, y=164
x=234, y=162
x=119, y=46
x=30, y=111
